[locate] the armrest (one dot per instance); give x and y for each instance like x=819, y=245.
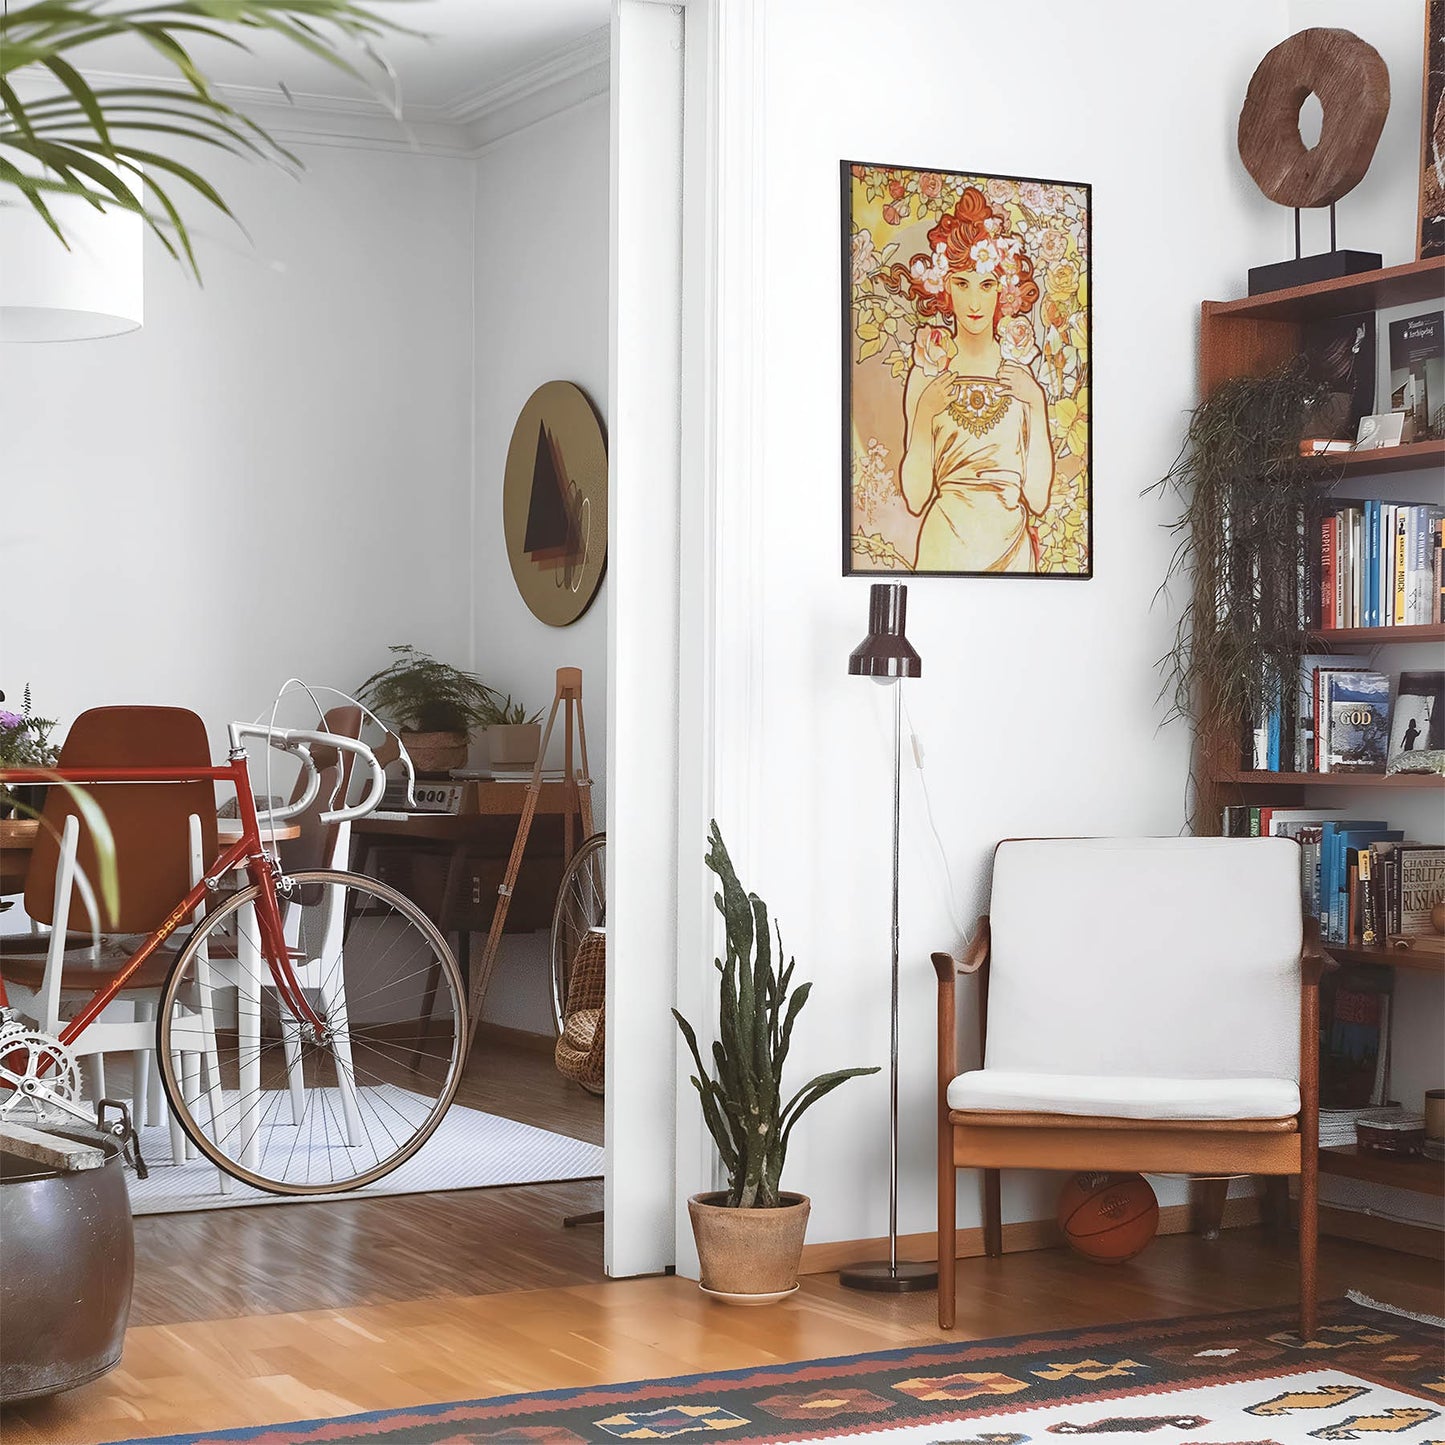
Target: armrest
x=974, y=958
x=1313, y=961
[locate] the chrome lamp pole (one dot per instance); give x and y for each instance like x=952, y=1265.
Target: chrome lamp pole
x=887, y=657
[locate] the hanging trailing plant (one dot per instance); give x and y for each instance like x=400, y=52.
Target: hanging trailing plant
x=1242, y=543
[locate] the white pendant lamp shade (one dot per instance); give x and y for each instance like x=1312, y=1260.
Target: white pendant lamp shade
x=48, y=293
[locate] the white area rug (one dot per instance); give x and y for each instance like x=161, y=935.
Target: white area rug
x=470, y=1150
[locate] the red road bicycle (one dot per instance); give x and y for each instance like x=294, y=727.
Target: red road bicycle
x=311, y=1029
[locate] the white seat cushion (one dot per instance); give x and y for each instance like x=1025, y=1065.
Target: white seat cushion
x=1119, y=1097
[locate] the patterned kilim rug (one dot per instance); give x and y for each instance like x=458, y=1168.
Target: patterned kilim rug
x=1237, y=1379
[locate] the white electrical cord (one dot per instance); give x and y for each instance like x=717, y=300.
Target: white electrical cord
x=915, y=748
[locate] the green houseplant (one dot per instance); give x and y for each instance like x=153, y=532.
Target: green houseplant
x=1246, y=492
x=750, y=1236
x=513, y=737
x=434, y=704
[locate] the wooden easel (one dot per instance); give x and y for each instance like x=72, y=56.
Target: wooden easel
x=578, y=783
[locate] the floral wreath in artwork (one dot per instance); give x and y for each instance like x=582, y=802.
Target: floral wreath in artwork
x=1033, y=237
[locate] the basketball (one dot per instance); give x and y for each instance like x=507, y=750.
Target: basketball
x=1108, y=1217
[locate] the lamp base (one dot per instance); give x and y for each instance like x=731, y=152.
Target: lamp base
x=880, y=1277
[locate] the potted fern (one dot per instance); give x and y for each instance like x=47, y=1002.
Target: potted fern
x=434, y=704
x=750, y=1235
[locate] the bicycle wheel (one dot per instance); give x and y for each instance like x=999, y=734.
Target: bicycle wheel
x=287, y=1108
x=581, y=904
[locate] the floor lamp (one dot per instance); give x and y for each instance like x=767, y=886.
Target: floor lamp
x=886, y=656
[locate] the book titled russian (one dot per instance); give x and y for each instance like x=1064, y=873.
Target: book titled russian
x=1421, y=882
x=1417, y=369
x=1357, y=714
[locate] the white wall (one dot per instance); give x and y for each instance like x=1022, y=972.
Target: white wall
x=1037, y=708
x=303, y=421
x=542, y=250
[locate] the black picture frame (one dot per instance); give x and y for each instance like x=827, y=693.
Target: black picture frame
x=846, y=174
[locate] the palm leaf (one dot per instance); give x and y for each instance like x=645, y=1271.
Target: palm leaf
x=66, y=135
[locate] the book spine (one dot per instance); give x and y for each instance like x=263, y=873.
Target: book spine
x=1386, y=593
x=1342, y=566
x=1437, y=605
x=1322, y=723
x=1327, y=574
x=1397, y=617
x=1369, y=933
x=1372, y=563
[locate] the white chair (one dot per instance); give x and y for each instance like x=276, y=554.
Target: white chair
x=1144, y=1004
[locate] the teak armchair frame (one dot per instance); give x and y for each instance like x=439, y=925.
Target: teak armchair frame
x=995, y=1140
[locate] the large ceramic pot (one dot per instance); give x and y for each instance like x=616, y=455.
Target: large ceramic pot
x=434, y=755
x=66, y=1282
x=748, y=1256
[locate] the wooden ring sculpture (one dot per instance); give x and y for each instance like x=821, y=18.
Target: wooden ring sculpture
x=1353, y=86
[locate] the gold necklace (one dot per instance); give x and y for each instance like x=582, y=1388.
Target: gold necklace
x=980, y=405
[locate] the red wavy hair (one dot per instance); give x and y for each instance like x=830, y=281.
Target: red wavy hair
x=958, y=231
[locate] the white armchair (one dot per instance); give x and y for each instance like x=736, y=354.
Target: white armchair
x=1144, y=1004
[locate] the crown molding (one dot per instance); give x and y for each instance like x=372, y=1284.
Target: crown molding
x=567, y=77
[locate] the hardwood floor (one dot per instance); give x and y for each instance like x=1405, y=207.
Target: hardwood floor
x=226, y=1263
x=261, y=1370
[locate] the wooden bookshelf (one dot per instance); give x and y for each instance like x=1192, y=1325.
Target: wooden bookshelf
x=1422, y=961
x=1252, y=337
x=1377, y=636
x=1413, y=1172
x=1415, y=281
x=1382, y=461
x=1248, y=779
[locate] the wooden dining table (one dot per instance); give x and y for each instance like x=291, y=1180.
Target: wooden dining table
x=18, y=835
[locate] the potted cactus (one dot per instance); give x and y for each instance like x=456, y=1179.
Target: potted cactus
x=750, y=1236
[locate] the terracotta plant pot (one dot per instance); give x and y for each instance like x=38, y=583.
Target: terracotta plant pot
x=513, y=745
x=434, y=755
x=749, y=1256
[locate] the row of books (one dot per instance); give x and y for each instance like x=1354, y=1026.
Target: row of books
x=1362, y=879
x=1347, y=718
x=1379, y=565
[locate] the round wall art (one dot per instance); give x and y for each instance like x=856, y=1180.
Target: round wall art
x=554, y=503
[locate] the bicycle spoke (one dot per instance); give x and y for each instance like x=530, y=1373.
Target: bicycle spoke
x=301, y=1111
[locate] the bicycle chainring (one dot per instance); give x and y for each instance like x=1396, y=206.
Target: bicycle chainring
x=28, y=1054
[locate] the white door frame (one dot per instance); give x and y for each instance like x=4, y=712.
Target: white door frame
x=685, y=702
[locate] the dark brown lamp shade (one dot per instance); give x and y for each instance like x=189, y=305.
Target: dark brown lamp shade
x=886, y=652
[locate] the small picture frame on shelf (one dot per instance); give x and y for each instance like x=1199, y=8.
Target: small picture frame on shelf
x=1383, y=429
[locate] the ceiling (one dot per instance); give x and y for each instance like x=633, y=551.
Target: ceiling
x=466, y=48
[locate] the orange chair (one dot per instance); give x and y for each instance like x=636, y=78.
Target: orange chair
x=163, y=835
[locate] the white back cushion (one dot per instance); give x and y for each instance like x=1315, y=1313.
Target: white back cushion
x=1168, y=957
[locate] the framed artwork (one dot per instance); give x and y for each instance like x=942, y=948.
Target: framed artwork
x=554, y=503
x=966, y=361
x=1432, y=139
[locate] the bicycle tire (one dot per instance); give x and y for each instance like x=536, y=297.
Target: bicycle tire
x=581, y=904
x=356, y=1068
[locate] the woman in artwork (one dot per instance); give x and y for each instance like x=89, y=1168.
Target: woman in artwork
x=978, y=462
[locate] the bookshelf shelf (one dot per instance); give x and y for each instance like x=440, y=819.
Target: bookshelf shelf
x=1366, y=291
x=1421, y=962
x=1408, y=457
x=1414, y=1172
x=1330, y=780
x=1376, y=636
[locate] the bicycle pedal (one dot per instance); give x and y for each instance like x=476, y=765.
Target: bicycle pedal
x=125, y=1131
